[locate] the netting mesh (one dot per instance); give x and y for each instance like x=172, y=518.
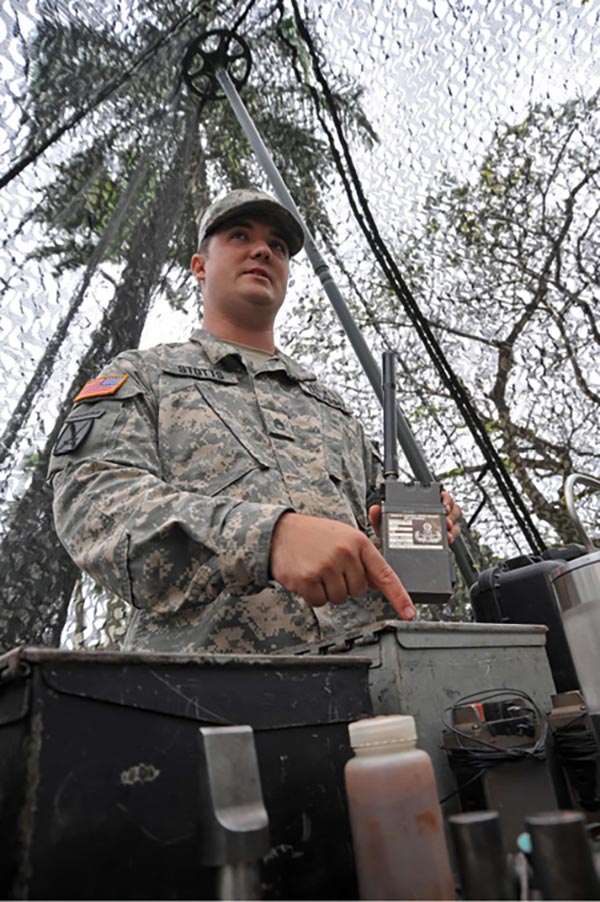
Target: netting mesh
x=468, y=131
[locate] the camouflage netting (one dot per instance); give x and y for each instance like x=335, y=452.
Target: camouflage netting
x=445, y=156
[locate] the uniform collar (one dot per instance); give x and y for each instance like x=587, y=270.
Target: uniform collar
x=216, y=350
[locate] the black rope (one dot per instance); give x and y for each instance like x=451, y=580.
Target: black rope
x=242, y=16
x=364, y=217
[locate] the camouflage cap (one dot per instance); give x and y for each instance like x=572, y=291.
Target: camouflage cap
x=249, y=201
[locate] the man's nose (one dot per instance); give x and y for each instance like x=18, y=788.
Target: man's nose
x=261, y=249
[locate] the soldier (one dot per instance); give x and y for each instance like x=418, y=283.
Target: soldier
x=216, y=485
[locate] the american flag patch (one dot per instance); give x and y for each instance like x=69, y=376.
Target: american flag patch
x=102, y=385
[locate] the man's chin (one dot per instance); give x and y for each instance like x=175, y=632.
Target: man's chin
x=264, y=299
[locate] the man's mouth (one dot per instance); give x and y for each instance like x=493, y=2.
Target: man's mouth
x=258, y=271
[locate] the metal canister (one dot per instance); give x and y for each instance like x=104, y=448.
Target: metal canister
x=577, y=587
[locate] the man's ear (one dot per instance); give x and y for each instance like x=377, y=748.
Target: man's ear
x=198, y=266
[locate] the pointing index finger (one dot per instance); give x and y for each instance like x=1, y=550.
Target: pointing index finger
x=381, y=576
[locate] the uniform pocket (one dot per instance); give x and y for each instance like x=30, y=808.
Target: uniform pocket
x=205, y=445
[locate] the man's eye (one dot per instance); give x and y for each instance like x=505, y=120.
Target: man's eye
x=238, y=234
x=279, y=247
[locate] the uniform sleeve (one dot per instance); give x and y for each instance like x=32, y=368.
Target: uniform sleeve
x=146, y=540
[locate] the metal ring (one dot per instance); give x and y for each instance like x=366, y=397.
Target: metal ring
x=213, y=50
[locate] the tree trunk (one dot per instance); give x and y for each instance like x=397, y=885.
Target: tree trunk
x=35, y=596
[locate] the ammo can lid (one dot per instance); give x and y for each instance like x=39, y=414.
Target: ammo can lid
x=384, y=730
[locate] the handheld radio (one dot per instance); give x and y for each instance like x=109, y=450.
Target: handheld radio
x=413, y=521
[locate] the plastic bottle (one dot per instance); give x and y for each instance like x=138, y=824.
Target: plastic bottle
x=397, y=826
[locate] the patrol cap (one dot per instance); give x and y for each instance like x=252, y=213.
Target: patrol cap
x=246, y=201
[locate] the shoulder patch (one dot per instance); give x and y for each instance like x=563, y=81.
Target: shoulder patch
x=102, y=385
x=75, y=431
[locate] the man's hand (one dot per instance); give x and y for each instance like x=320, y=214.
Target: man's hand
x=325, y=560
x=453, y=514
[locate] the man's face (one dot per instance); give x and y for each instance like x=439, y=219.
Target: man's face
x=246, y=266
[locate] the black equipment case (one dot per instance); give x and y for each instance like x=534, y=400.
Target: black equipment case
x=520, y=591
x=99, y=770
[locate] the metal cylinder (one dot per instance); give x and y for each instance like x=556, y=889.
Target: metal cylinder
x=577, y=587
x=561, y=855
x=480, y=856
x=239, y=881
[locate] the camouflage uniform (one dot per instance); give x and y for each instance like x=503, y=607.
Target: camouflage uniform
x=168, y=491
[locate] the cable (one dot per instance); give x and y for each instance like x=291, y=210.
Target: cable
x=367, y=223
x=489, y=755
x=464, y=759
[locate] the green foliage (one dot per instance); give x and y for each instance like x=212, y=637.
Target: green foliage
x=33, y=460
x=136, y=70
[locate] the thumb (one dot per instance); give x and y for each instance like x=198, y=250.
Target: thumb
x=375, y=518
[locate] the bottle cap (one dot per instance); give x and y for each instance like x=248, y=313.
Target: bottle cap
x=383, y=730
